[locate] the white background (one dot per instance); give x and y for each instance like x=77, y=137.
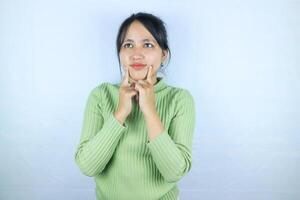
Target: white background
x=239, y=59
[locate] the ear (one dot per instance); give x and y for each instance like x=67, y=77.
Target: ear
x=164, y=55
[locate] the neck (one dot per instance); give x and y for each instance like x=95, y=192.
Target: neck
x=154, y=79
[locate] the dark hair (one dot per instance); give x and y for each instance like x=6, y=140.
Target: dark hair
x=153, y=24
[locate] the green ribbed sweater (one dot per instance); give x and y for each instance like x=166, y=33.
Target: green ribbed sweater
x=124, y=163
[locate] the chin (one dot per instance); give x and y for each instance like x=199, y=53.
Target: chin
x=138, y=76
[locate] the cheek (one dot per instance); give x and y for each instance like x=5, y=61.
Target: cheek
x=156, y=61
x=123, y=57
x=155, y=58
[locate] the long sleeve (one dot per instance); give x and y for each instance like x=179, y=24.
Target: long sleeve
x=120, y=158
x=99, y=136
x=172, y=149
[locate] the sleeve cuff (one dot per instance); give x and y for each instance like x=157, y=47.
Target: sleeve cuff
x=162, y=139
x=114, y=125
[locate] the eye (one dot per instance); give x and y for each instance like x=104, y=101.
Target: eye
x=149, y=45
x=127, y=45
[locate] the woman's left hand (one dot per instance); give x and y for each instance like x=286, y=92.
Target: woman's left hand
x=146, y=94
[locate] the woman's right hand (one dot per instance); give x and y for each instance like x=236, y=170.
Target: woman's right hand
x=126, y=92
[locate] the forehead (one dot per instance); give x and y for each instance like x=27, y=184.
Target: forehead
x=137, y=32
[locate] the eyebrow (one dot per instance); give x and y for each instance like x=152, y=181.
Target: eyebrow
x=144, y=40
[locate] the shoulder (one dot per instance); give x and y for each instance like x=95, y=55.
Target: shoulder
x=104, y=87
x=183, y=102
x=181, y=94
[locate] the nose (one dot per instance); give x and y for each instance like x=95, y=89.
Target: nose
x=137, y=54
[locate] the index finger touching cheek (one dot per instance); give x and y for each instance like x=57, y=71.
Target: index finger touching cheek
x=149, y=74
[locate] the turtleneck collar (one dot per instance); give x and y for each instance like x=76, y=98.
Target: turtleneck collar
x=160, y=84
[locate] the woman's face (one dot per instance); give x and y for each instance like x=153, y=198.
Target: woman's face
x=140, y=50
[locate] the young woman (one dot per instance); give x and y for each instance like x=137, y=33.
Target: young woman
x=136, y=139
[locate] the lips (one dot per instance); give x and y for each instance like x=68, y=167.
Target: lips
x=138, y=66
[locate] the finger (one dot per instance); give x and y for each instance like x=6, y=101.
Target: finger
x=132, y=92
x=131, y=81
x=144, y=83
x=132, y=85
x=139, y=87
x=149, y=74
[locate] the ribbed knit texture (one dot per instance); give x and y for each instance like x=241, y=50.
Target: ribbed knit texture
x=124, y=163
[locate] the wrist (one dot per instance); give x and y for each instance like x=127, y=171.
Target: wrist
x=151, y=118
x=150, y=115
x=154, y=126
x=120, y=117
